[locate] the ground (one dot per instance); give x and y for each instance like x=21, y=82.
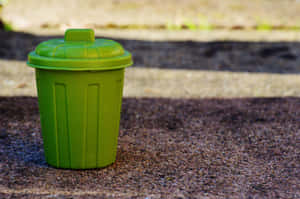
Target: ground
x=180, y=148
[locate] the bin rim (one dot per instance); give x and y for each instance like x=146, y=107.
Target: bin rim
x=37, y=61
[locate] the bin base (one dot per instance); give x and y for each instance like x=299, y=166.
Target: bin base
x=81, y=168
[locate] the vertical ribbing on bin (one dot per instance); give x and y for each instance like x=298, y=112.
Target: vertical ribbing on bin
x=92, y=125
x=62, y=129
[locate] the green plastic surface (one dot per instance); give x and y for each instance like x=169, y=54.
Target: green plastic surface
x=80, y=114
x=80, y=110
x=79, y=50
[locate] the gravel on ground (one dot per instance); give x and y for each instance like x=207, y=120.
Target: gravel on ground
x=168, y=148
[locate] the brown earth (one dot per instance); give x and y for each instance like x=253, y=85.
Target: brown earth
x=214, y=148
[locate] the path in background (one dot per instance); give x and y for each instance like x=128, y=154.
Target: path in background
x=179, y=64
x=229, y=13
x=16, y=79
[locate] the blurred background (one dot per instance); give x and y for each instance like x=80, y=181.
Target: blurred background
x=191, y=48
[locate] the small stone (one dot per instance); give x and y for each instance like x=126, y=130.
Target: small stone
x=3, y=134
x=23, y=85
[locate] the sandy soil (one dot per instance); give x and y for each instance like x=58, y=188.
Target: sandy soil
x=234, y=148
x=229, y=13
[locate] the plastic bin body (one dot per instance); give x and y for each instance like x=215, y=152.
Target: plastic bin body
x=80, y=115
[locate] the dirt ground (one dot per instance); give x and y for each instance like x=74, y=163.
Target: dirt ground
x=214, y=148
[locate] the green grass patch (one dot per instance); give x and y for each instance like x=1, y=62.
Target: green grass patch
x=7, y=27
x=190, y=25
x=263, y=25
x=171, y=26
x=203, y=23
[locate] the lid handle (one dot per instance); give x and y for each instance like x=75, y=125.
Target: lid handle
x=87, y=35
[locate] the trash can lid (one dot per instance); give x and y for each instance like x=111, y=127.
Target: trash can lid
x=79, y=50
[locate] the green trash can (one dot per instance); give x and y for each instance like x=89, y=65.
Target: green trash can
x=80, y=81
